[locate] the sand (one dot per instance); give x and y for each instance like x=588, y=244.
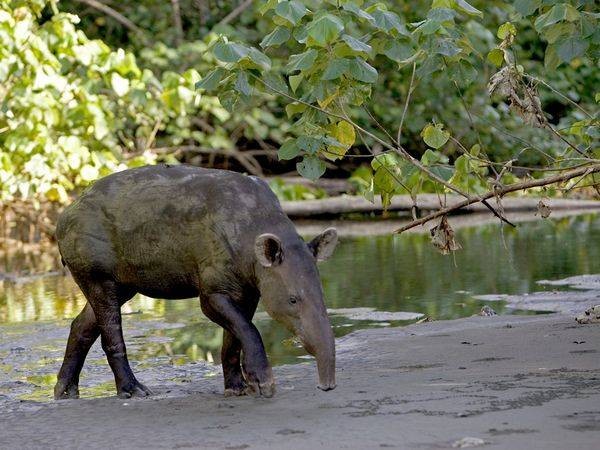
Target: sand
x=502, y=382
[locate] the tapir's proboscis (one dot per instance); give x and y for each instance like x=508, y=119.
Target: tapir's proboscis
x=177, y=232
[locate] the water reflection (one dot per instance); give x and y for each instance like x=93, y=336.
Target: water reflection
x=388, y=273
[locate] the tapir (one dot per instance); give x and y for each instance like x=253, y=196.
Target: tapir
x=178, y=231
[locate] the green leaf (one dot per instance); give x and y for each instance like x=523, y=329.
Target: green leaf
x=276, y=81
x=212, y=79
x=462, y=72
x=527, y=7
x=301, y=61
x=398, y=51
x=259, y=58
x=335, y=68
x=230, y=52
x=496, y=57
x=571, y=48
x=267, y=6
x=553, y=33
x=447, y=47
x=428, y=27
x=388, y=21
x=441, y=14
x=242, y=85
x=292, y=109
x=431, y=157
x=276, y=37
x=309, y=144
x=292, y=11
x=434, y=135
x=557, y=13
x=361, y=70
x=325, y=29
x=311, y=167
x=355, y=44
x=360, y=13
x=505, y=30
x=295, y=81
x=467, y=8
x=551, y=60
x=289, y=150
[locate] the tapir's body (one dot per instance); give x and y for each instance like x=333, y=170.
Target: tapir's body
x=171, y=231
x=178, y=232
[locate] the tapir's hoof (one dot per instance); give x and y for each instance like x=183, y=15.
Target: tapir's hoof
x=133, y=389
x=266, y=389
x=64, y=390
x=235, y=392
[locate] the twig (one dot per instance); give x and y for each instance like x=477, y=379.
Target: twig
x=152, y=136
x=410, y=89
x=114, y=14
x=560, y=94
x=248, y=161
x=500, y=192
x=558, y=135
x=235, y=13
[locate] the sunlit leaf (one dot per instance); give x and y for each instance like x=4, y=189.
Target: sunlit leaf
x=434, y=135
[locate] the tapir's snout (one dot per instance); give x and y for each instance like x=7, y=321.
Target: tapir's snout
x=317, y=338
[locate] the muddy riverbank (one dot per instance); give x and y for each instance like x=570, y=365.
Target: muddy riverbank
x=505, y=381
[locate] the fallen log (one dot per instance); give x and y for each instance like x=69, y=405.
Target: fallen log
x=334, y=206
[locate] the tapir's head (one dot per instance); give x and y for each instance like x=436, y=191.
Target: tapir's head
x=291, y=291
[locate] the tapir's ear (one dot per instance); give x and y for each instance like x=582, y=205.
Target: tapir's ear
x=323, y=245
x=268, y=249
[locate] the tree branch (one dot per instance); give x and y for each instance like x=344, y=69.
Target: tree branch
x=235, y=13
x=399, y=149
x=588, y=169
x=114, y=14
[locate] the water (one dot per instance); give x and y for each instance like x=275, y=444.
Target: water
x=171, y=341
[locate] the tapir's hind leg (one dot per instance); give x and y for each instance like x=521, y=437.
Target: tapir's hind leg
x=106, y=298
x=84, y=332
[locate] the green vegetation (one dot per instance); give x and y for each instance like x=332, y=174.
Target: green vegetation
x=445, y=95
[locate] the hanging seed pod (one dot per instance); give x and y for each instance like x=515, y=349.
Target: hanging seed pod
x=442, y=237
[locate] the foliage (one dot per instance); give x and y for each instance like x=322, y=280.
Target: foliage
x=74, y=110
x=295, y=191
x=317, y=80
x=329, y=60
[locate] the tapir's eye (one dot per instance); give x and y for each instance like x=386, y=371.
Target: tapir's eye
x=294, y=300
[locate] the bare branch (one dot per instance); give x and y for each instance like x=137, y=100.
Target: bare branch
x=560, y=94
x=589, y=169
x=248, y=161
x=114, y=14
x=235, y=13
x=410, y=89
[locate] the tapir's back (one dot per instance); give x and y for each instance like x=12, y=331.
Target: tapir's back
x=165, y=222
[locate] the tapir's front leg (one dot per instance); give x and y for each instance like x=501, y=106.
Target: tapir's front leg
x=222, y=310
x=233, y=378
